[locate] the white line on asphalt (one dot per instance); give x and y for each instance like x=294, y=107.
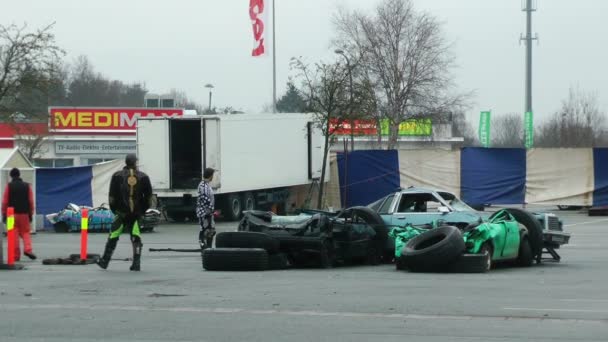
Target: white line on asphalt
x=310, y=313
x=557, y=310
x=584, y=300
x=582, y=223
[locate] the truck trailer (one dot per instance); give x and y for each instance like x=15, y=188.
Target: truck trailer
x=257, y=158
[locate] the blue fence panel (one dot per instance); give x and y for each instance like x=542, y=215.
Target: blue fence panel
x=57, y=187
x=366, y=176
x=600, y=170
x=493, y=176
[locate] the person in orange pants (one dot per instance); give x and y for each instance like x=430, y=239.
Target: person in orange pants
x=18, y=194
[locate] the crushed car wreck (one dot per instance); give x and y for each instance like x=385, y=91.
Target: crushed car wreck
x=429, y=225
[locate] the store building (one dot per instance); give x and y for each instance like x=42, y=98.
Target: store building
x=76, y=136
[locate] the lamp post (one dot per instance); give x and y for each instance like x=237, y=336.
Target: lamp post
x=210, y=86
x=350, y=105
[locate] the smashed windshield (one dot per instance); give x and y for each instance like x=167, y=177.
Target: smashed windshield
x=455, y=202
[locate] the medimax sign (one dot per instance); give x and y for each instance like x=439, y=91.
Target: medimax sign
x=109, y=120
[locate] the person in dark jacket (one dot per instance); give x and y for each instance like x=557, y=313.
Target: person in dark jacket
x=18, y=194
x=129, y=198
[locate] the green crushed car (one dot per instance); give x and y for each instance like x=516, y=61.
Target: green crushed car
x=432, y=229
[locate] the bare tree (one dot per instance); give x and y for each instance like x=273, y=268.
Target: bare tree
x=325, y=88
x=30, y=138
x=407, y=58
x=507, y=130
x=463, y=128
x=578, y=123
x=28, y=64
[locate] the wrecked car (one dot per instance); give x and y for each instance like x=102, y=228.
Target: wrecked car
x=69, y=219
x=503, y=235
x=353, y=235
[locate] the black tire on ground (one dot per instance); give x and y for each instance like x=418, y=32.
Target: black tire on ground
x=61, y=227
x=399, y=264
x=235, y=259
x=535, y=230
x=248, y=201
x=277, y=261
x=233, y=207
x=525, y=257
x=433, y=249
x=247, y=240
x=468, y=263
x=93, y=257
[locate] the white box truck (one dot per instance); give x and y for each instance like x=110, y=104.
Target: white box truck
x=258, y=158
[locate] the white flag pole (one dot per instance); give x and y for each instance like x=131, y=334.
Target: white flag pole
x=274, y=62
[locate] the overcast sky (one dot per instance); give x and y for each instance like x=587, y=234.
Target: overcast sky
x=185, y=44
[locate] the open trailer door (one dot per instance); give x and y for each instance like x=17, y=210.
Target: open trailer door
x=153, y=151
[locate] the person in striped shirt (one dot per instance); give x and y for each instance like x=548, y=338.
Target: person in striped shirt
x=205, y=206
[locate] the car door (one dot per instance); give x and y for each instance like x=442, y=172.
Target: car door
x=512, y=240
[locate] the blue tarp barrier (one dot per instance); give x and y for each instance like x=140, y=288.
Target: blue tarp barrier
x=57, y=187
x=600, y=170
x=366, y=176
x=493, y=176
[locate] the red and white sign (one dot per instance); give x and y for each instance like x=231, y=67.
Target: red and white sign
x=106, y=120
x=258, y=13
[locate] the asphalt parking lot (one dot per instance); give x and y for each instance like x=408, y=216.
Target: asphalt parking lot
x=174, y=299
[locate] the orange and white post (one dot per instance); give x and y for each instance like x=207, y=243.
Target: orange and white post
x=84, y=233
x=10, y=235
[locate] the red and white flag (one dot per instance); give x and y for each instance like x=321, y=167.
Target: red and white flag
x=258, y=13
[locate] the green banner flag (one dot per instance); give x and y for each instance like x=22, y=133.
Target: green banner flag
x=484, y=129
x=529, y=129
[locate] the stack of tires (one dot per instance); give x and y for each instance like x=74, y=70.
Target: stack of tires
x=441, y=250
x=244, y=251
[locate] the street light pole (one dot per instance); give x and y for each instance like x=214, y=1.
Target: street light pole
x=210, y=87
x=350, y=105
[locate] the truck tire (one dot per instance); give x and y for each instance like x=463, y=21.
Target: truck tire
x=248, y=201
x=535, y=230
x=233, y=207
x=247, y=240
x=235, y=259
x=431, y=250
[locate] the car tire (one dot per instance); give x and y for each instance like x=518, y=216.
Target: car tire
x=525, y=258
x=487, y=251
x=235, y=259
x=93, y=257
x=247, y=240
x=278, y=261
x=535, y=230
x=233, y=207
x=469, y=263
x=433, y=249
x=327, y=254
x=248, y=201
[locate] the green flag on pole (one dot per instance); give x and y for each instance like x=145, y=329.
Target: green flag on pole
x=484, y=129
x=529, y=129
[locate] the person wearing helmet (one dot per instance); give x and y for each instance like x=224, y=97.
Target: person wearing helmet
x=130, y=196
x=205, y=206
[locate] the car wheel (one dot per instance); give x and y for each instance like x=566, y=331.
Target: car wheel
x=433, y=249
x=277, y=261
x=469, y=263
x=486, y=251
x=61, y=227
x=233, y=207
x=525, y=257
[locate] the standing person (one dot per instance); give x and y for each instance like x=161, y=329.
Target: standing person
x=130, y=196
x=18, y=194
x=205, y=206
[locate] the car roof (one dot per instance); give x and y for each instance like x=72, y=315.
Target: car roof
x=415, y=190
